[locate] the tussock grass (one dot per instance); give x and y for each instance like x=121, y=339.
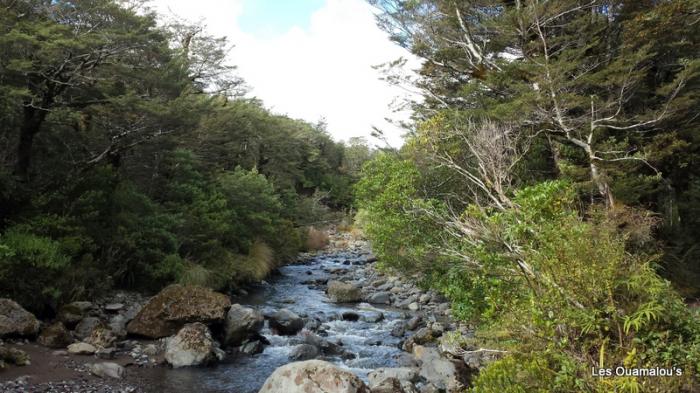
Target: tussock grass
x=316, y=239
x=228, y=269
x=195, y=274
x=260, y=261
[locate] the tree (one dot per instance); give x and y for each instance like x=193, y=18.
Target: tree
x=577, y=70
x=70, y=56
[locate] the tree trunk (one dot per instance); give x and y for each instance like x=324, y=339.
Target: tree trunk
x=33, y=119
x=599, y=180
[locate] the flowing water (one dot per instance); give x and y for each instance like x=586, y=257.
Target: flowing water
x=246, y=374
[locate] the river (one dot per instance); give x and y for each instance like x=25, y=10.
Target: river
x=370, y=342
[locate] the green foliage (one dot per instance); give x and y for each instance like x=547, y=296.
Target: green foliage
x=567, y=291
x=389, y=197
x=28, y=268
x=592, y=103
x=128, y=155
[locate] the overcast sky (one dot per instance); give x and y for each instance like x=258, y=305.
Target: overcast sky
x=309, y=59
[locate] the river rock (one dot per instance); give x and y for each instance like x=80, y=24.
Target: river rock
x=400, y=373
x=114, y=307
x=192, y=346
x=405, y=359
x=106, y=353
x=151, y=350
x=305, y=352
x=414, y=322
x=430, y=388
x=242, y=323
x=423, y=336
x=86, y=326
x=437, y=328
x=326, y=347
x=252, y=347
x=313, y=376
x=55, y=336
x=285, y=322
x=447, y=374
x=351, y=316
x=398, y=330
x=101, y=338
x=14, y=356
x=16, y=321
x=373, y=316
x=118, y=325
x=414, y=306
x=388, y=385
x=72, y=313
x=378, y=282
x=175, y=306
x=341, y=292
x=380, y=298
x=81, y=349
x=107, y=370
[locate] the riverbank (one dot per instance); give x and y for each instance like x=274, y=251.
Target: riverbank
x=351, y=315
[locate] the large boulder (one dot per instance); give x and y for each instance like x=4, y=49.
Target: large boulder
x=192, y=346
x=341, y=292
x=16, y=321
x=313, y=376
x=285, y=322
x=175, y=306
x=446, y=374
x=55, y=336
x=242, y=323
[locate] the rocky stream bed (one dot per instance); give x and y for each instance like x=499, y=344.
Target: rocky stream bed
x=328, y=323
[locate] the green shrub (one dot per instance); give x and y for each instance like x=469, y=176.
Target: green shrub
x=391, y=204
x=569, y=291
x=30, y=266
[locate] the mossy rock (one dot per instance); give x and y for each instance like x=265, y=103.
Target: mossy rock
x=177, y=305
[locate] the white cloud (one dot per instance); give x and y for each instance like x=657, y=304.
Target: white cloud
x=324, y=70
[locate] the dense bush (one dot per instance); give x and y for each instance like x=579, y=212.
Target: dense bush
x=130, y=159
x=29, y=265
x=548, y=182
x=567, y=294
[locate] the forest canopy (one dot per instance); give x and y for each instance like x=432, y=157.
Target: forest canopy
x=129, y=158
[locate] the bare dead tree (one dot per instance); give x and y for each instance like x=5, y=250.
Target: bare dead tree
x=487, y=164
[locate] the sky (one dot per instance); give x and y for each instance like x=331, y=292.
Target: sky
x=308, y=59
